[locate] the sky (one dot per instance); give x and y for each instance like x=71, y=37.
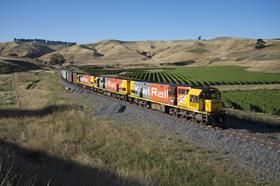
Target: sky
x=87, y=21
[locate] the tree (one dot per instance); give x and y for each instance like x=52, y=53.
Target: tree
x=260, y=44
x=199, y=38
x=57, y=59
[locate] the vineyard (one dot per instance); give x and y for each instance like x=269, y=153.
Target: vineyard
x=266, y=101
x=218, y=75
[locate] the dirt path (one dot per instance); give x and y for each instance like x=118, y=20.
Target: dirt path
x=263, y=162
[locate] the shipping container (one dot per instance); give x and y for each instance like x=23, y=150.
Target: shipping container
x=69, y=75
x=164, y=93
x=140, y=89
x=66, y=76
x=63, y=74
x=74, y=74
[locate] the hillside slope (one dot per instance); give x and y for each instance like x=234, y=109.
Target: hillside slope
x=218, y=51
x=80, y=53
x=30, y=50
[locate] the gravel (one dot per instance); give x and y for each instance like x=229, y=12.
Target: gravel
x=264, y=162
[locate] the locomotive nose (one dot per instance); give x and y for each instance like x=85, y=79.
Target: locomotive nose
x=213, y=105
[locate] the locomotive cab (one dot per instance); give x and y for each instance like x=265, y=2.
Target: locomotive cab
x=212, y=100
x=195, y=100
x=205, y=99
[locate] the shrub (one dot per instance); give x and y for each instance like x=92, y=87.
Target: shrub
x=57, y=59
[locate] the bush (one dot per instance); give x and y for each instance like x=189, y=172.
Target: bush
x=260, y=44
x=57, y=59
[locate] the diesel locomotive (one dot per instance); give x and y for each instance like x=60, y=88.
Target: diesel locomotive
x=199, y=104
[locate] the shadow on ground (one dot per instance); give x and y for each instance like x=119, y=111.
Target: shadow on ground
x=16, y=113
x=20, y=166
x=8, y=66
x=254, y=127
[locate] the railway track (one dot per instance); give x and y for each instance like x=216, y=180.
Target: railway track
x=262, y=141
x=271, y=144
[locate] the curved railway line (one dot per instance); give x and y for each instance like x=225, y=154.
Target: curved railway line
x=263, y=141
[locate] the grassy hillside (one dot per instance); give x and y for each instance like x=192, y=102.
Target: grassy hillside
x=50, y=132
x=76, y=53
x=219, y=51
x=30, y=50
x=7, y=94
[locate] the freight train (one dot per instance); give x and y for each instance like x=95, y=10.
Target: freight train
x=199, y=104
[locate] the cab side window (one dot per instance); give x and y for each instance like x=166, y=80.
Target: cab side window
x=182, y=91
x=194, y=98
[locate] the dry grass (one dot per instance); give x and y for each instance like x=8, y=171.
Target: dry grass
x=70, y=147
x=7, y=94
x=127, y=153
x=41, y=94
x=267, y=119
x=219, y=51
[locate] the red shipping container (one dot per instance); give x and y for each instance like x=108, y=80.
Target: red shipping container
x=163, y=93
x=74, y=78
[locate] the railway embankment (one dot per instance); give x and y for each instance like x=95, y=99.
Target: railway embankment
x=254, y=148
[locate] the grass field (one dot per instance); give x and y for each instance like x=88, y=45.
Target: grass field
x=213, y=75
x=7, y=93
x=65, y=145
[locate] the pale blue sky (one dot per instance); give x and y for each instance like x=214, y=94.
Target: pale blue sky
x=86, y=21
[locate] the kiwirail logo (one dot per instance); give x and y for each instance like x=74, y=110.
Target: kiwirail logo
x=145, y=91
x=159, y=93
